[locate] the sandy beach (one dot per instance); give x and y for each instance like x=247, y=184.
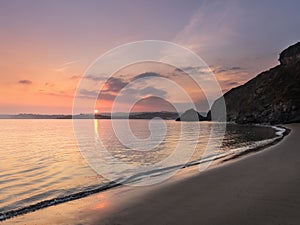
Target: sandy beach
x=262, y=188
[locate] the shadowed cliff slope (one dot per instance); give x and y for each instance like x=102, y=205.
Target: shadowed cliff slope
x=271, y=97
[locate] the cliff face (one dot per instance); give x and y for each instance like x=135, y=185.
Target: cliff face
x=271, y=97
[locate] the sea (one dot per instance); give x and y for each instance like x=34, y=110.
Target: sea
x=44, y=162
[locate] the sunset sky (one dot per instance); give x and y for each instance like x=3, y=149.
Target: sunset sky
x=46, y=46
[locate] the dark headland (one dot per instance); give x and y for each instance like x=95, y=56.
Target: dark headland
x=271, y=97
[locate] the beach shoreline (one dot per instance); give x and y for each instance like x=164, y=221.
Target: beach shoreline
x=102, y=208
x=203, y=164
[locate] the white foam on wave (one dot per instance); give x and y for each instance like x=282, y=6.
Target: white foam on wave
x=279, y=130
x=279, y=134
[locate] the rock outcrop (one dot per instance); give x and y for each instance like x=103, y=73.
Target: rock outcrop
x=191, y=115
x=271, y=97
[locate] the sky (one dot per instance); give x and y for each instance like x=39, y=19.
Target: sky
x=47, y=46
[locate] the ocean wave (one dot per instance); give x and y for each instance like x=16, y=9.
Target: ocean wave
x=55, y=201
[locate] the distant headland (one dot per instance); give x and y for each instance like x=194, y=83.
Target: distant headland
x=134, y=115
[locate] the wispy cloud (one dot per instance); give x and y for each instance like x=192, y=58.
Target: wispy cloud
x=210, y=27
x=95, y=78
x=203, y=70
x=55, y=93
x=92, y=94
x=114, y=84
x=224, y=69
x=146, y=75
x=233, y=83
x=88, y=93
x=49, y=84
x=75, y=77
x=25, y=82
x=65, y=66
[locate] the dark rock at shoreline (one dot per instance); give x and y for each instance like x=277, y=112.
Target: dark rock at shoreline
x=271, y=97
x=191, y=115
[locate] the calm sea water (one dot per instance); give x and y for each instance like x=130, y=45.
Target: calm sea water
x=40, y=159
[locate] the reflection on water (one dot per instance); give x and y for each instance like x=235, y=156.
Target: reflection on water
x=40, y=159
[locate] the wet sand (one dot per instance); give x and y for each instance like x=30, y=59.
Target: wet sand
x=262, y=188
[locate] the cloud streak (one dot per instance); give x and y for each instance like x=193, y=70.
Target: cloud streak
x=65, y=66
x=146, y=75
x=114, y=84
x=224, y=69
x=25, y=82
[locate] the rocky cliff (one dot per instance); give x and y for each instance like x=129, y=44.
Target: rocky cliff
x=271, y=97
